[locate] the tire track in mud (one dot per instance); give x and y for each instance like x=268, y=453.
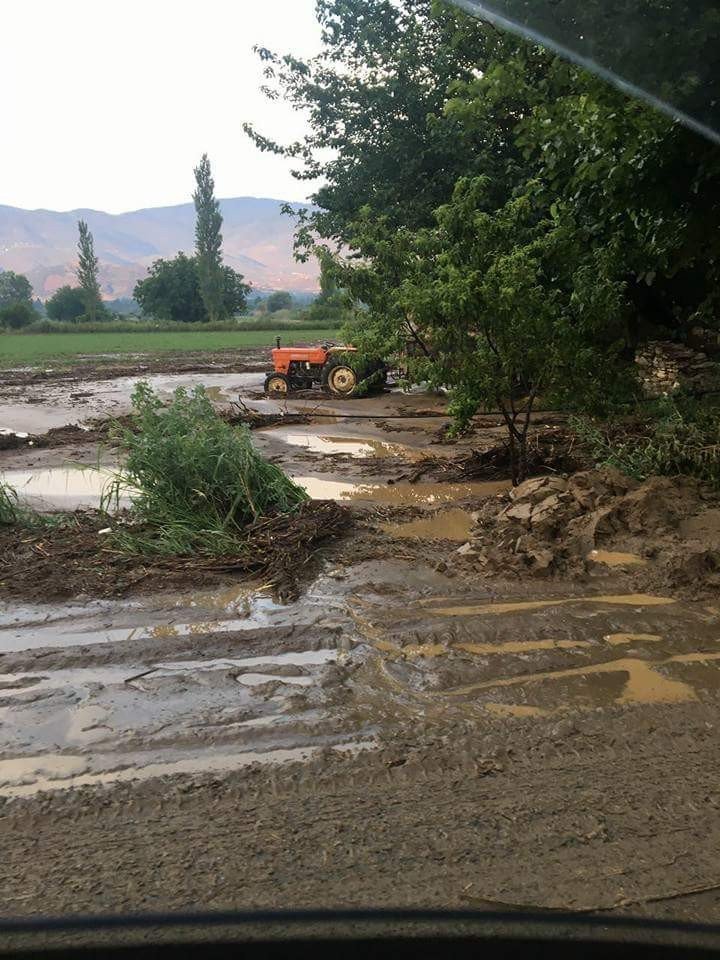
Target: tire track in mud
x=587, y=817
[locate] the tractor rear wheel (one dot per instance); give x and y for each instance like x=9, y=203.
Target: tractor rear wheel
x=339, y=379
x=277, y=385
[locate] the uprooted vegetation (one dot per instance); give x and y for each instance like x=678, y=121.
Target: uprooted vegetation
x=196, y=482
x=61, y=562
x=205, y=506
x=673, y=436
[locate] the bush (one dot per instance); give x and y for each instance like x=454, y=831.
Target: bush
x=197, y=482
x=17, y=315
x=66, y=305
x=670, y=437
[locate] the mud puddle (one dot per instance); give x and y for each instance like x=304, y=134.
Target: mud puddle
x=317, y=438
x=32, y=775
x=243, y=607
x=614, y=558
x=546, y=656
x=367, y=647
x=400, y=494
x=133, y=721
x=454, y=524
x=65, y=488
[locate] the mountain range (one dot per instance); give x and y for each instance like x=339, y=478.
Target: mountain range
x=257, y=242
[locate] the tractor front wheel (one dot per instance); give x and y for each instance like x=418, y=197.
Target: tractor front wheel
x=277, y=385
x=338, y=379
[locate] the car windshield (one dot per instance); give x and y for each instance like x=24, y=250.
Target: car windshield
x=359, y=462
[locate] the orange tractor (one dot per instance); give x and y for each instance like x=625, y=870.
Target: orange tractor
x=301, y=368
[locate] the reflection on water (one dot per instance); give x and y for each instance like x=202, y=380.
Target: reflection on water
x=357, y=447
x=400, y=494
x=70, y=487
x=65, y=488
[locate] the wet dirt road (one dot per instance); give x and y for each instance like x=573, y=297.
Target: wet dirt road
x=398, y=735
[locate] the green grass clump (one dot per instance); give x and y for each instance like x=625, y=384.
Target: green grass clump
x=22, y=348
x=196, y=481
x=674, y=436
x=9, y=508
x=14, y=514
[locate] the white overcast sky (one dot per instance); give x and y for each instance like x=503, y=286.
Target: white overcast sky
x=111, y=104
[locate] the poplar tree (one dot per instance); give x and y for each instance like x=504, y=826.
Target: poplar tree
x=208, y=242
x=87, y=272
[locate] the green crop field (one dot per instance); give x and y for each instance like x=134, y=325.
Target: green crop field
x=31, y=349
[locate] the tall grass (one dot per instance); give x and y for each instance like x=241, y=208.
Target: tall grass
x=196, y=481
x=673, y=436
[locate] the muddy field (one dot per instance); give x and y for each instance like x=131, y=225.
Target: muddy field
x=473, y=698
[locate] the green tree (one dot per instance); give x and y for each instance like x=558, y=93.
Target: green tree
x=279, y=300
x=17, y=315
x=474, y=175
x=67, y=304
x=208, y=241
x=87, y=272
x=171, y=291
x=235, y=291
x=378, y=95
x=14, y=288
x=482, y=288
x=379, y=138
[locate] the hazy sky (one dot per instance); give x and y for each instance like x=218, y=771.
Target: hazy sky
x=111, y=104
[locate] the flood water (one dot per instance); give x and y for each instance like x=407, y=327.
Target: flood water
x=72, y=486
x=210, y=681
x=331, y=443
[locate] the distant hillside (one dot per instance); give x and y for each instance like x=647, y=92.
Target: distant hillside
x=257, y=242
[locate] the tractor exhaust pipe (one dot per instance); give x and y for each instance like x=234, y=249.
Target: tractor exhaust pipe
x=277, y=342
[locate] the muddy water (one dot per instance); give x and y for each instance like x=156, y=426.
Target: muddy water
x=538, y=657
x=240, y=609
x=26, y=777
x=452, y=524
x=39, y=407
x=316, y=438
x=401, y=494
x=64, y=488
x=388, y=642
x=612, y=558
x=73, y=486
x=208, y=682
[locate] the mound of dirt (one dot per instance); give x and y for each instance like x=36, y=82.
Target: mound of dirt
x=66, y=560
x=597, y=520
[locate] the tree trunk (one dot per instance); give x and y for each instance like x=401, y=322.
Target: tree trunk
x=521, y=471
x=513, y=458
